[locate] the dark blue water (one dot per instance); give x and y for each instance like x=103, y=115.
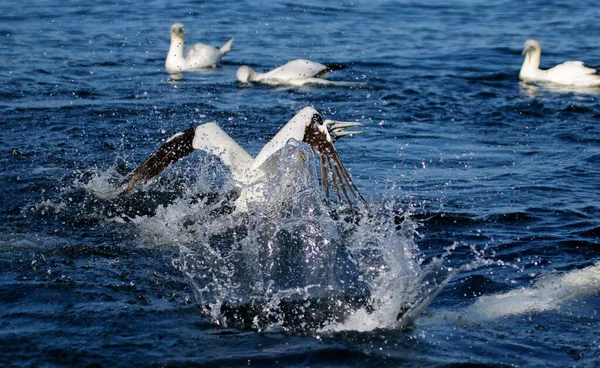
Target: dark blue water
x=466, y=172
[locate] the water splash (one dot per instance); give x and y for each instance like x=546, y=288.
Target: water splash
x=101, y=184
x=297, y=263
x=401, y=285
x=293, y=261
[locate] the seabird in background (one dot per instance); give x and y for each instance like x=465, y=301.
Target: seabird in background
x=570, y=73
x=295, y=73
x=307, y=126
x=195, y=57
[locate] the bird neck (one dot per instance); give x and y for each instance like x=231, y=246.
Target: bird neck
x=175, y=58
x=532, y=60
x=176, y=48
x=255, y=76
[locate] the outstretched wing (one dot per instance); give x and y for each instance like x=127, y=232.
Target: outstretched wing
x=206, y=137
x=175, y=148
x=332, y=169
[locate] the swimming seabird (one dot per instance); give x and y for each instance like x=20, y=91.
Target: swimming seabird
x=198, y=56
x=250, y=173
x=570, y=73
x=295, y=73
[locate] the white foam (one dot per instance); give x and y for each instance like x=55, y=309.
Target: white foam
x=547, y=293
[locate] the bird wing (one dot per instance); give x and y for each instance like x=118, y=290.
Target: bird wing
x=202, y=56
x=332, y=168
x=330, y=68
x=571, y=70
x=295, y=69
x=308, y=126
x=293, y=129
x=174, y=149
x=206, y=137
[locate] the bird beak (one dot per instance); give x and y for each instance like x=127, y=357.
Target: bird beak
x=337, y=129
x=527, y=49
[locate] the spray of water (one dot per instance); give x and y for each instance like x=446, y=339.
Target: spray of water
x=297, y=262
x=294, y=261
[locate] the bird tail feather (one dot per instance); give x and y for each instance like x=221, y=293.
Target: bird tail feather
x=226, y=47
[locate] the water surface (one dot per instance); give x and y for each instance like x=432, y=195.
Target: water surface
x=497, y=184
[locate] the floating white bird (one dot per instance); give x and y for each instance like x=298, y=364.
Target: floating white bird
x=295, y=73
x=195, y=57
x=570, y=73
x=250, y=173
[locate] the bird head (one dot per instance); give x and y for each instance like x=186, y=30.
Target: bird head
x=531, y=46
x=245, y=74
x=177, y=30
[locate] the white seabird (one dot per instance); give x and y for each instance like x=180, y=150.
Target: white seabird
x=295, y=73
x=250, y=173
x=195, y=57
x=570, y=73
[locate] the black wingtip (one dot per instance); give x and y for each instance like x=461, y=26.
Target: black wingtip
x=173, y=150
x=331, y=68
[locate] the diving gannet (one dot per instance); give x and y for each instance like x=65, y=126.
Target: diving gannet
x=307, y=126
x=570, y=73
x=295, y=73
x=198, y=56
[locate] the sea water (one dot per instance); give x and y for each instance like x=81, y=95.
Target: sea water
x=478, y=242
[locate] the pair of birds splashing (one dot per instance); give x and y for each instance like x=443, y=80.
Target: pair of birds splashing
x=307, y=126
